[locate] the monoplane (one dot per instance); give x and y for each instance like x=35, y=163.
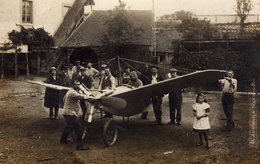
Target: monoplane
x=127, y=101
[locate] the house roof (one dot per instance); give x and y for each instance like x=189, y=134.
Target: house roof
x=68, y=23
x=90, y=32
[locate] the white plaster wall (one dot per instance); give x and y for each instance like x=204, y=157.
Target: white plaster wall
x=9, y=16
x=49, y=14
x=46, y=13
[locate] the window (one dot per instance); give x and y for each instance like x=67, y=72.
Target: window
x=27, y=12
x=161, y=58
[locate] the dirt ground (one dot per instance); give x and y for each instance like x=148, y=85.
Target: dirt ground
x=28, y=136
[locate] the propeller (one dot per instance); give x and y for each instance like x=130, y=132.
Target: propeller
x=114, y=102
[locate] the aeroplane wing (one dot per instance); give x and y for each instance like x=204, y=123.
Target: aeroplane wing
x=116, y=103
x=58, y=87
x=136, y=99
x=126, y=101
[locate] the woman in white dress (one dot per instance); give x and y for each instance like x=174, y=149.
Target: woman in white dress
x=201, y=125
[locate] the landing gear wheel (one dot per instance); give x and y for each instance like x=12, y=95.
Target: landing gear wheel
x=110, y=132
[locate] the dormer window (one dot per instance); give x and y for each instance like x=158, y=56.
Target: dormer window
x=27, y=11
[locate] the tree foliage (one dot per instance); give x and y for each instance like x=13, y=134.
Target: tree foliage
x=121, y=31
x=190, y=26
x=34, y=38
x=243, y=58
x=243, y=8
x=215, y=59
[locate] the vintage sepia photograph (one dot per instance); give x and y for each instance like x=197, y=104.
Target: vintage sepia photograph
x=129, y=81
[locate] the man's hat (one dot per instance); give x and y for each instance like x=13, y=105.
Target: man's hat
x=154, y=66
x=154, y=69
x=173, y=70
x=53, y=68
x=103, y=66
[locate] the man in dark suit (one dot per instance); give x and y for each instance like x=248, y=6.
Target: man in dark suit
x=86, y=81
x=156, y=99
x=51, y=98
x=175, y=100
x=145, y=78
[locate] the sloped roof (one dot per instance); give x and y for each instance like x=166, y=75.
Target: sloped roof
x=90, y=32
x=68, y=22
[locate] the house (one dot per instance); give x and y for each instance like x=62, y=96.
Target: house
x=47, y=14
x=77, y=29
x=81, y=36
x=164, y=44
x=32, y=13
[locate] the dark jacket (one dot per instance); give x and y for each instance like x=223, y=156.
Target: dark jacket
x=159, y=78
x=75, y=77
x=51, y=98
x=86, y=80
x=64, y=79
x=106, y=83
x=145, y=76
x=175, y=95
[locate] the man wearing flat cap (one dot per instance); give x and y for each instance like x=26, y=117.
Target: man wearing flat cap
x=76, y=75
x=175, y=100
x=86, y=81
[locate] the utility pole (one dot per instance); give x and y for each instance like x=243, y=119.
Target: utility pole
x=119, y=77
x=153, y=34
x=16, y=63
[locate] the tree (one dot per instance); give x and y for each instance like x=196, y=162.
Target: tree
x=190, y=26
x=243, y=8
x=36, y=39
x=121, y=31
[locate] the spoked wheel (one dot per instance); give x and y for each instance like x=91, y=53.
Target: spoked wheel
x=110, y=132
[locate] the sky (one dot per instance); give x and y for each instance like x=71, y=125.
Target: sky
x=162, y=7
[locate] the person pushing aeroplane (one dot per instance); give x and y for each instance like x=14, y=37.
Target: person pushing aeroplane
x=71, y=115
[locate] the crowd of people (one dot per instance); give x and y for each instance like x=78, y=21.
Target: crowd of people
x=81, y=79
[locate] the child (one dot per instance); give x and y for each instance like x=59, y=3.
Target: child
x=201, y=111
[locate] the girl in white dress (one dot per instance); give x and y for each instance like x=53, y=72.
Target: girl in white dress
x=201, y=124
